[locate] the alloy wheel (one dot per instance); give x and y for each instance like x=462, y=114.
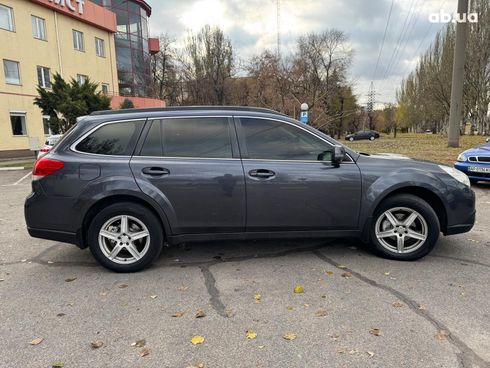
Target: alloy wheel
x=401, y=230
x=124, y=239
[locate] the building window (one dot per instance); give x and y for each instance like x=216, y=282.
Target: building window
x=47, y=130
x=78, y=43
x=6, y=18
x=81, y=78
x=18, y=122
x=105, y=88
x=12, y=71
x=43, y=77
x=38, y=28
x=99, y=47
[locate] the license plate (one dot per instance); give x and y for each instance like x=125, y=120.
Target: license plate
x=479, y=169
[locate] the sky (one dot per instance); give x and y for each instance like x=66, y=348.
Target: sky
x=252, y=27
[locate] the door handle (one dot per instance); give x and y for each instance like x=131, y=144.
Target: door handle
x=262, y=173
x=155, y=171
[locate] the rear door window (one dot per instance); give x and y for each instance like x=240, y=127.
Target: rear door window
x=115, y=139
x=199, y=137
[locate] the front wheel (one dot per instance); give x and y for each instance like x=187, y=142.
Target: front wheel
x=351, y=139
x=405, y=228
x=371, y=138
x=125, y=237
x=473, y=181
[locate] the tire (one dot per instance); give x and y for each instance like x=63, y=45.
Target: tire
x=131, y=254
x=371, y=138
x=351, y=139
x=473, y=181
x=403, y=207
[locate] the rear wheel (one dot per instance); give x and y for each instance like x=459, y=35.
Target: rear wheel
x=125, y=237
x=371, y=138
x=351, y=139
x=405, y=228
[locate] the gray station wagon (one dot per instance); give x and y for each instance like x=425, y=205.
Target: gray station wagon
x=124, y=183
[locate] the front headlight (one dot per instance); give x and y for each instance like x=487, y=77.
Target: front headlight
x=456, y=174
x=462, y=157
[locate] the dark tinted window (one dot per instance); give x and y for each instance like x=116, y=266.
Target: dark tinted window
x=153, y=142
x=112, y=139
x=196, y=137
x=268, y=139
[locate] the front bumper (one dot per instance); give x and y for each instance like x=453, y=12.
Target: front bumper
x=462, y=228
x=464, y=167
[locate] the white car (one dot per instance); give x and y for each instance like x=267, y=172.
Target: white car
x=50, y=142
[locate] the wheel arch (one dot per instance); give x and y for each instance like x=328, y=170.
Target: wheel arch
x=429, y=196
x=117, y=198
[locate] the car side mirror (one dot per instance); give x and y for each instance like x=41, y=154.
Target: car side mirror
x=338, y=154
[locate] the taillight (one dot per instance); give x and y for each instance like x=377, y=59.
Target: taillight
x=46, y=166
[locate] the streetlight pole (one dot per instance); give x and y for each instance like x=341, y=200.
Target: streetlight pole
x=458, y=75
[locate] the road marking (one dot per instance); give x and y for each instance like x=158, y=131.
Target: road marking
x=18, y=181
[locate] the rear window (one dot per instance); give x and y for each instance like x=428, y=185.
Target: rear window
x=117, y=139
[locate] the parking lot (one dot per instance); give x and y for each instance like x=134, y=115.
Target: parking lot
x=356, y=310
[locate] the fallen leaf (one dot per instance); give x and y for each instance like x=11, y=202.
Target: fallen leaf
x=386, y=274
x=347, y=275
x=229, y=313
x=2, y=280
x=178, y=314
x=60, y=315
x=57, y=365
x=341, y=267
x=306, y=305
x=153, y=296
x=257, y=298
x=37, y=341
x=251, y=334
x=298, y=289
x=200, y=314
x=289, y=308
x=370, y=353
x=261, y=346
x=397, y=304
x=70, y=279
x=50, y=262
x=145, y=351
x=96, y=344
x=321, y=313
x=375, y=332
x=139, y=343
x=197, y=339
x=123, y=286
x=329, y=273
x=199, y=365
x=183, y=288
x=441, y=334
x=289, y=336
x=422, y=307
x=324, y=297
x=103, y=293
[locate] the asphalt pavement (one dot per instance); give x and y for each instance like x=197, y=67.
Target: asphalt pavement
x=58, y=307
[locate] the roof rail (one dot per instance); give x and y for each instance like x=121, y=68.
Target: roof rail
x=186, y=108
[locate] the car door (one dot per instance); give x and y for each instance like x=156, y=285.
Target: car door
x=191, y=166
x=288, y=187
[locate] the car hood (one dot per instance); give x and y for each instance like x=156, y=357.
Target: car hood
x=484, y=149
x=397, y=160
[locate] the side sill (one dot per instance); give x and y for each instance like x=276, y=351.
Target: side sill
x=182, y=238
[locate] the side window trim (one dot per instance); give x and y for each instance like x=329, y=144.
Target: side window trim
x=231, y=129
x=90, y=131
x=243, y=143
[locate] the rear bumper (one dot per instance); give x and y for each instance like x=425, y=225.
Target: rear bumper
x=56, y=235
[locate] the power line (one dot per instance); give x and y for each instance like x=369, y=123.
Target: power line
x=384, y=37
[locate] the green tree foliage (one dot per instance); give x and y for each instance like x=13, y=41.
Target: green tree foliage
x=66, y=101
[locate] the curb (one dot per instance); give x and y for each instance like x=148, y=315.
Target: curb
x=13, y=168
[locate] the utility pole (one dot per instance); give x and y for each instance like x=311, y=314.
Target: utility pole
x=458, y=75
x=370, y=105
x=278, y=24
x=341, y=114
